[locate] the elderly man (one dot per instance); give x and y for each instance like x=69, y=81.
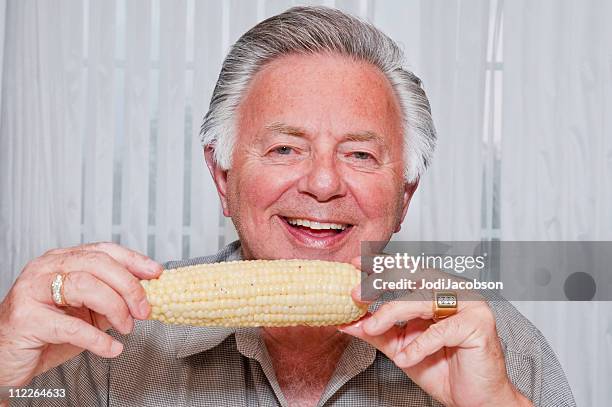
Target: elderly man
x=313, y=118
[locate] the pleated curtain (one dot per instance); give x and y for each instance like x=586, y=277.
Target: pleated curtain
x=102, y=101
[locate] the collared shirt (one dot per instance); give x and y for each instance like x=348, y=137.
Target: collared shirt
x=164, y=365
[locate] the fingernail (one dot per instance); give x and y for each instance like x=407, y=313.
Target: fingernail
x=144, y=308
x=129, y=326
x=349, y=327
x=153, y=266
x=116, y=348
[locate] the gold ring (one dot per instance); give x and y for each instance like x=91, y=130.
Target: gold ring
x=57, y=290
x=444, y=305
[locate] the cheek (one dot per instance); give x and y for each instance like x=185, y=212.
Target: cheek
x=259, y=186
x=379, y=197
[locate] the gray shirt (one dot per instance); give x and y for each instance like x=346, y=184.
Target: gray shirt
x=164, y=365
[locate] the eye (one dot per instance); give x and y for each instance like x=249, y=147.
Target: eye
x=361, y=155
x=283, y=150
x=285, y=153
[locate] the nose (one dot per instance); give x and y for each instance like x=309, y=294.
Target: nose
x=323, y=181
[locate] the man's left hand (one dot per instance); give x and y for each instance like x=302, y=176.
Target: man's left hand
x=459, y=360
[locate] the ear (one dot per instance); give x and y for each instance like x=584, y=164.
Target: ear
x=219, y=176
x=409, y=189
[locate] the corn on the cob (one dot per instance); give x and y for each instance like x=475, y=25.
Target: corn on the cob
x=256, y=293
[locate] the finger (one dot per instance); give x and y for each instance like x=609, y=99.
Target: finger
x=57, y=328
x=97, y=320
x=356, y=292
x=384, y=342
x=140, y=265
x=100, y=321
x=82, y=289
x=409, y=307
x=450, y=332
x=108, y=270
x=356, y=295
x=391, y=341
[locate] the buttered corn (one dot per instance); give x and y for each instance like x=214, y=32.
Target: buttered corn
x=256, y=293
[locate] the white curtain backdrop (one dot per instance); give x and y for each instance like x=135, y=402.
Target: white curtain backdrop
x=556, y=158
x=102, y=101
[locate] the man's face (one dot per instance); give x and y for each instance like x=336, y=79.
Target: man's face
x=318, y=165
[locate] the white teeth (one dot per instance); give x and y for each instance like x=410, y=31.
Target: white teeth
x=316, y=225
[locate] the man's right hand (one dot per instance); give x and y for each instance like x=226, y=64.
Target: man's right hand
x=101, y=289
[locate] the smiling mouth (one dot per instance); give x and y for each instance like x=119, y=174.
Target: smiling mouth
x=314, y=229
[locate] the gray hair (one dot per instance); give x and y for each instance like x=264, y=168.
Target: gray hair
x=315, y=30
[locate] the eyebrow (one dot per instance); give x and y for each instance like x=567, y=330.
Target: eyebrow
x=366, y=136
x=279, y=127
x=360, y=136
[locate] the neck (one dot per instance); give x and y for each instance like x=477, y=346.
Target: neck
x=304, y=360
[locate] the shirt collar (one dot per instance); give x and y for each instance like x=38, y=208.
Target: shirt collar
x=198, y=339
x=357, y=357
